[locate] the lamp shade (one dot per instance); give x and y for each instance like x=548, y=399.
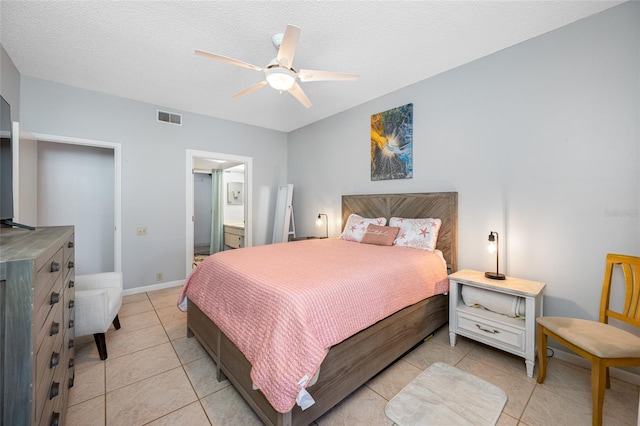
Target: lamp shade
x=326, y=223
x=494, y=248
x=280, y=78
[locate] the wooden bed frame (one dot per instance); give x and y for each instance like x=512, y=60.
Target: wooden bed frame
x=353, y=362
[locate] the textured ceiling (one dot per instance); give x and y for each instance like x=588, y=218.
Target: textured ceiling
x=144, y=50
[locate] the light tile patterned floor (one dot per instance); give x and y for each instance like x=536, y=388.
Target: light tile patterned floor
x=156, y=375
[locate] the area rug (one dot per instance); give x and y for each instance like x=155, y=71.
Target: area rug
x=445, y=395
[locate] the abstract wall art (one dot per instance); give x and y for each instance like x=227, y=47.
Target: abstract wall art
x=392, y=144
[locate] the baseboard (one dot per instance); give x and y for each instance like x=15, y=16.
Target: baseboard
x=152, y=287
x=618, y=373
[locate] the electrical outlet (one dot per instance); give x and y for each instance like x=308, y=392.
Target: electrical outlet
x=158, y=276
x=141, y=231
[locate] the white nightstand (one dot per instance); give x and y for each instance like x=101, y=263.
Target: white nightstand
x=513, y=335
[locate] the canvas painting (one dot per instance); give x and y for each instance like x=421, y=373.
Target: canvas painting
x=392, y=144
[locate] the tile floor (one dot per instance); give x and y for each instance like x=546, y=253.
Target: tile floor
x=155, y=375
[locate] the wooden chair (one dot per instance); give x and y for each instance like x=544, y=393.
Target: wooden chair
x=602, y=344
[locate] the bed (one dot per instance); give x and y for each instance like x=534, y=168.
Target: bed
x=349, y=364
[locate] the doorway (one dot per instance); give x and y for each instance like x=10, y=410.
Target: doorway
x=98, y=159
x=199, y=165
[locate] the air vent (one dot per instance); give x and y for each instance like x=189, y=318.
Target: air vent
x=169, y=117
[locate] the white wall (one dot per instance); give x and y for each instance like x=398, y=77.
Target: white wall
x=541, y=142
x=233, y=213
x=153, y=167
x=76, y=187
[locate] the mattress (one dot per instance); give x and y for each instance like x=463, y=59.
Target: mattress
x=284, y=305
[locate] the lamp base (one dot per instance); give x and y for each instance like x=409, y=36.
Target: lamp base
x=494, y=275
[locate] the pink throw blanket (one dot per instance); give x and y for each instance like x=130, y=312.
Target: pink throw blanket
x=284, y=305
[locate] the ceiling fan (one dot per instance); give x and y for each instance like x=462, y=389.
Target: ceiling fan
x=279, y=73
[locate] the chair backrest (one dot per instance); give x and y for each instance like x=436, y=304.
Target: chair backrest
x=630, y=311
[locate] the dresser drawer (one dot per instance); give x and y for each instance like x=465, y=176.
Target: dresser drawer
x=53, y=299
x=52, y=326
x=48, y=362
x=68, y=305
x=69, y=263
x=69, y=334
x=484, y=328
x=47, y=277
x=69, y=249
x=53, y=402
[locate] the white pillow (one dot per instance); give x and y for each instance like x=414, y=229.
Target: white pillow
x=356, y=226
x=416, y=233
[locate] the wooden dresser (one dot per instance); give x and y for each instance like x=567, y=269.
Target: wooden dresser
x=36, y=324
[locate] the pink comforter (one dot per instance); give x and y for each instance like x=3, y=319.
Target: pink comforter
x=284, y=305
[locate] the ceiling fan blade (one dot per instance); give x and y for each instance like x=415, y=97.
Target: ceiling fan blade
x=299, y=94
x=227, y=60
x=250, y=89
x=288, y=47
x=315, y=75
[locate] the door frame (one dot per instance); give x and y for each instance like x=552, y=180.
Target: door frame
x=191, y=155
x=117, y=163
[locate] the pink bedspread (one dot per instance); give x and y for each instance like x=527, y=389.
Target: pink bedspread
x=284, y=304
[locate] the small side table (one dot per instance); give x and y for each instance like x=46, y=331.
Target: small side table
x=513, y=335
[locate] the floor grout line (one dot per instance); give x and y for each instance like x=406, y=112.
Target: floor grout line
x=503, y=364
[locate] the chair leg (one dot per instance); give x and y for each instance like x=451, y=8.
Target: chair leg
x=542, y=354
x=598, y=382
x=101, y=344
x=116, y=323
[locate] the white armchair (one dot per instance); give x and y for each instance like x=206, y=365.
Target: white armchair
x=97, y=301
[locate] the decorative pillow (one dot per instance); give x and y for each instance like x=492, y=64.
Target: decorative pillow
x=416, y=233
x=357, y=225
x=380, y=235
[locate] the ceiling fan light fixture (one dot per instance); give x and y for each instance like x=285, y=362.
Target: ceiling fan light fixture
x=280, y=78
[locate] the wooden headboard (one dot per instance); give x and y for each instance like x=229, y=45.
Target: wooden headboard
x=443, y=205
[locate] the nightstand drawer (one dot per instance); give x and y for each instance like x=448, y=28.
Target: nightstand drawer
x=485, y=329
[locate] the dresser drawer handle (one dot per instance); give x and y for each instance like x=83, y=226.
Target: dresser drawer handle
x=55, y=359
x=487, y=330
x=71, y=363
x=54, y=390
x=55, y=419
x=55, y=266
x=55, y=329
x=72, y=284
x=70, y=245
x=70, y=344
x=71, y=303
x=71, y=324
x=70, y=384
x=70, y=264
x=55, y=298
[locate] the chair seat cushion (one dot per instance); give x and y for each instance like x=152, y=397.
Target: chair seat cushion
x=601, y=340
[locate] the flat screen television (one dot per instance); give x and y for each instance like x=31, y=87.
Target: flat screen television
x=6, y=162
x=6, y=168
